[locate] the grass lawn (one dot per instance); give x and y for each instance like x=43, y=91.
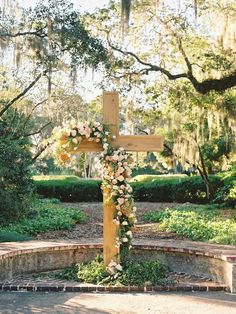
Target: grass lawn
x=167, y=177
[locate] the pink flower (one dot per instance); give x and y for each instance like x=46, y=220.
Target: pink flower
x=120, y=178
x=120, y=169
x=120, y=200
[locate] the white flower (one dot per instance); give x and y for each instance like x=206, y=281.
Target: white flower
x=124, y=223
x=125, y=239
x=119, y=213
x=116, y=222
x=134, y=209
x=73, y=133
x=119, y=267
x=112, y=264
x=129, y=234
x=114, y=181
x=74, y=140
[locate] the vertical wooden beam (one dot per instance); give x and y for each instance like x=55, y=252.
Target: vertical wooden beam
x=110, y=229
x=111, y=111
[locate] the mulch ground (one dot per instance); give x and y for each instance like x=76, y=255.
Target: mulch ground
x=93, y=226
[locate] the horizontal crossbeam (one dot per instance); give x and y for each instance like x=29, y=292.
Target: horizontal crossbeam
x=131, y=143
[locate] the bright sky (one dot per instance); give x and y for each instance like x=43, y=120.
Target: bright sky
x=85, y=5
x=86, y=82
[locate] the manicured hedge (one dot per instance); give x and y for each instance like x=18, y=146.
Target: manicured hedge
x=70, y=190
x=189, y=189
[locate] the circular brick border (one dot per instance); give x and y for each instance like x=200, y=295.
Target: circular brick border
x=172, y=250
x=114, y=289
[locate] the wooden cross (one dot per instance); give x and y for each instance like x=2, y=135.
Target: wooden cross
x=135, y=143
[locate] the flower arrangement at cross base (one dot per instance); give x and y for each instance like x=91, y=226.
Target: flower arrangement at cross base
x=117, y=171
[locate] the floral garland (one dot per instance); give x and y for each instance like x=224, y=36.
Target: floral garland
x=117, y=171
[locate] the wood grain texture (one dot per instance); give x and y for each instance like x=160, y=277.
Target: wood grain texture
x=140, y=143
x=110, y=230
x=87, y=146
x=111, y=111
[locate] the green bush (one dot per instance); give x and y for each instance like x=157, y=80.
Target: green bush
x=205, y=224
x=16, y=186
x=135, y=272
x=227, y=193
x=11, y=236
x=47, y=216
x=174, y=189
x=189, y=189
x=70, y=189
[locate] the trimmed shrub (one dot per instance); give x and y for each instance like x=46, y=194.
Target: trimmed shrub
x=188, y=189
x=70, y=190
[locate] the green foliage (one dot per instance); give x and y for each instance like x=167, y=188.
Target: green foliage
x=16, y=188
x=189, y=189
x=47, y=216
x=227, y=193
x=135, y=272
x=143, y=170
x=196, y=223
x=139, y=272
x=164, y=189
x=69, y=188
x=11, y=236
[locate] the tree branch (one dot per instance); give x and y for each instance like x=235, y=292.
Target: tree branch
x=151, y=67
x=33, y=133
x=38, y=33
x=11, y=102
x=30, y=114
x=203, y=87
x=39, y=152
